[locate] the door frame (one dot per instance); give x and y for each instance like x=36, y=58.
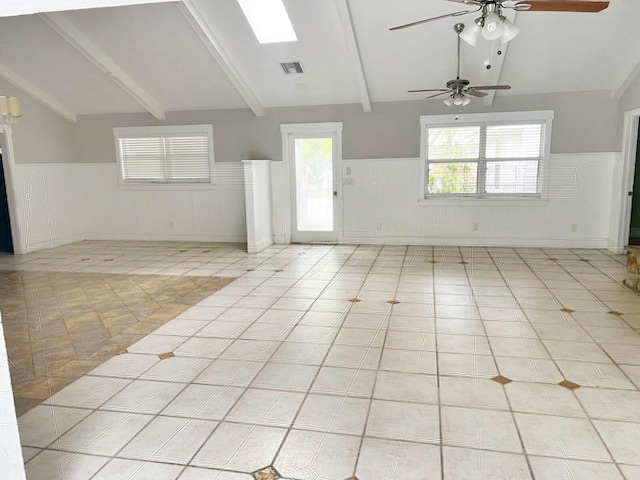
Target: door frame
x=328, y=128
x=9, y=164
x=623, y=203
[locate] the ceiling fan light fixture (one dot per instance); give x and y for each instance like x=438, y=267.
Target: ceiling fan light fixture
x=470, y=35
x=448, y=101
x=458, y=99
x=466, y=101
x=493, y=27
x=510, y=31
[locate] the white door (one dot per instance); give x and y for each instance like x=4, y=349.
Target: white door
x=314, y=166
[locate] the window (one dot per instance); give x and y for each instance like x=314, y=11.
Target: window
x=165, y=155
x=485, y=155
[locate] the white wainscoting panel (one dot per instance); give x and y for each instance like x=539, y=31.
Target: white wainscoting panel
x=63, y=203
x=381, y=204
x=257, y=195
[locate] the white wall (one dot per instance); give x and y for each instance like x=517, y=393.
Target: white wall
x=63, y=203
x=11, y=463
x=382, y=206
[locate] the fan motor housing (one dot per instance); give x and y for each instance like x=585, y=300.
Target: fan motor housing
x=457, y=84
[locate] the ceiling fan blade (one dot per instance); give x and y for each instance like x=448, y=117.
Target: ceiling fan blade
x=475, y=93
x=430, y=90
x=491, y=87
x=588, y=6
x=468, y=2
x=420, y=22
x=436, y=95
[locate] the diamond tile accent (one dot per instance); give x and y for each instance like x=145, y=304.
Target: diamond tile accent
x=393, y=302
x=553, y=259
x=279, y=270
x=569, y=385
x=501, y=380
x=567, y=310
x=164, y=356
x=464, y=263
x=615, y=313
x=433, y=261
x=354, y=300
x=268, y=473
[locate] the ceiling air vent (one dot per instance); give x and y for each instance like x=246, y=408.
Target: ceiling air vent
x=291, y=67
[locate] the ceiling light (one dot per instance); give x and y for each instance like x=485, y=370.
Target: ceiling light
x=466, y=101
x=471, y=35
x=458, y=99
x=269, y=20
x=448, y=101
x=493, y=27
x=510, y=31
x=9, y=111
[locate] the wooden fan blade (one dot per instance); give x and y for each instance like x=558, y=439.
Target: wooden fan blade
x=491, y=87
x=468, y=2
x=588, y=6
x=475, y=93
x=420, y=22
x=436, y=95
x=430, y=90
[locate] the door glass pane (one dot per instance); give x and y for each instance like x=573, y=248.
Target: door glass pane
x=314, y=184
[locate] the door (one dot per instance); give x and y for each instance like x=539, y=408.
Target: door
x=634, y=228
x=314, y=186
x=6, y=243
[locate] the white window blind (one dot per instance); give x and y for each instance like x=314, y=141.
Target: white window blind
x=484, y=158
x=165, y=157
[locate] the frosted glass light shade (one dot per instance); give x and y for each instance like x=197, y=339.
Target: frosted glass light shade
x=466, y=101
x=448, y=101
x=493, y=27
x=510, y=31
x=471, y=35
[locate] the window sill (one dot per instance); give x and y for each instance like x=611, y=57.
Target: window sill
x=168, y=186
x=485, y=202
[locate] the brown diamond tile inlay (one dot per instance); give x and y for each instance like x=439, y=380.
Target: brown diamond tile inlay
x=501, y=380
x=354, y=300
x=433, y=261
x=569, y=385
x=164, y=356
x=393, y=302
x=268, y=473
x=464, y=263
x=567, y=310
x=279, y=270
x=61, y=325
x=617, y=314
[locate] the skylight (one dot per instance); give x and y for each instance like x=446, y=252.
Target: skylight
x=269, y=20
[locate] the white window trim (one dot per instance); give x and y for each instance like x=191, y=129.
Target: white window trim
x=119, y=132
x=427, y=121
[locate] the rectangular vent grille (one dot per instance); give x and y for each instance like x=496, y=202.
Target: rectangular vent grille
x=291, y=67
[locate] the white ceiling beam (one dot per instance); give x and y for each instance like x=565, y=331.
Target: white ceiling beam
x=11, y=8
x=92, y=52
x=202, y=29
x=626, y=82
x=497, y=61
x=30, y=89
x=352, y=45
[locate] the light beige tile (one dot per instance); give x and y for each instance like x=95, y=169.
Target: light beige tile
x=473, y=464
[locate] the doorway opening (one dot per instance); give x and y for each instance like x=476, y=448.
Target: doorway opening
x=313, y=154
x=634, y=225
x=6, y=241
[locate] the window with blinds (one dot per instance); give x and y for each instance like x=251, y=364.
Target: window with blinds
x=484, y=158
x=165, y=155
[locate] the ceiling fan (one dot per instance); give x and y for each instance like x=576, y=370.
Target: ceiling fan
x=458, y=90
x=493, y=25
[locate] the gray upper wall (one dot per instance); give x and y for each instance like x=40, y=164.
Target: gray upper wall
x=41, y=135
x=584, y=122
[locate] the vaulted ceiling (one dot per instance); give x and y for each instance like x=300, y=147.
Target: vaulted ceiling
x=202, y=54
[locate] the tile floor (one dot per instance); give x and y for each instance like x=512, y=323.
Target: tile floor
x=334, y=362
x=60, y=325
